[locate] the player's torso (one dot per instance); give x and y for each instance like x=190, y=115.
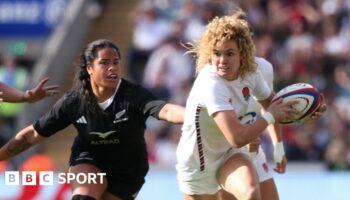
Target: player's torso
x=200, y=130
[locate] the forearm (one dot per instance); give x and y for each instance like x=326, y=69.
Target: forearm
x=21, y=142
x=10, y=94
x=275, y=132
x=251, y=132
x=172, y=113
x=237, y=134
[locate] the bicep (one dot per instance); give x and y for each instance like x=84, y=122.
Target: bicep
x=229, y=125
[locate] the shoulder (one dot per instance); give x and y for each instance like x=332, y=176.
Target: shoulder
x=266, y=70
x=70, y=98
x=208, y=74
x=71, y=95
x=135, y=92
x=263, y=64
x=130, y=87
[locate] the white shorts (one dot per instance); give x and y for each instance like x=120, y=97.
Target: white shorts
x=261, y=166
x=196, y=182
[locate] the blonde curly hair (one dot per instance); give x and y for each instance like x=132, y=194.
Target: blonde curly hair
x=222, y=29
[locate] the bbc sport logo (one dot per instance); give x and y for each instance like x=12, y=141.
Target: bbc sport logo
x=48, y=178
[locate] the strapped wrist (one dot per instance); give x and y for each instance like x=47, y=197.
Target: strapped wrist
x=269, y=118
x=278, y=153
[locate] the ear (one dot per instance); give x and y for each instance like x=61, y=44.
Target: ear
x=89, y=69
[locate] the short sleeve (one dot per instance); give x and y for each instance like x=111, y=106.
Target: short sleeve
x=215, y=94
x=58, y=118
x=148, y=102
x=262, y=90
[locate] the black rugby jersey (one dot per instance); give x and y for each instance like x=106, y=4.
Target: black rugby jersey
x=115, y=139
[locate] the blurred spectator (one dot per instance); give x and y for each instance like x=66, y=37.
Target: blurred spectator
x=201, y=15
x=149, y=31
x=165, y=148
x=169, y=68
x=336, y=156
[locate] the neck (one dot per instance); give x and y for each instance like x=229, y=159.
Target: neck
x=102, y=93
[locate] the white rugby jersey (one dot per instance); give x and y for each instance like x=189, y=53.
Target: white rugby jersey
x=202, y=145
x=266, y=70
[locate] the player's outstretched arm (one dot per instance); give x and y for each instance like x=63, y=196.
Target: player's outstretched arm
x=172, y=113
x=26, y=138
x=10, y=94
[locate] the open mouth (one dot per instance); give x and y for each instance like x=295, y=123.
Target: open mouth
x=223, y=68
x=112, y=77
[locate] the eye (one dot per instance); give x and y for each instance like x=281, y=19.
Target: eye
x=230, y=53
x=104, y=62
x=216, y=54
x=116, y=62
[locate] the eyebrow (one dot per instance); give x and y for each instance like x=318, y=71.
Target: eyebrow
x=225, y=50
x=110, y=59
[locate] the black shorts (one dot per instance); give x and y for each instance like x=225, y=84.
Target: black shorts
x=118, y=184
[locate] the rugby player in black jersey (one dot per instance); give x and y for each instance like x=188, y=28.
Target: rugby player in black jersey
x=109, y=114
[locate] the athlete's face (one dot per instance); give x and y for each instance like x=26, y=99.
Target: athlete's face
x=225, y=58
x=105, y=69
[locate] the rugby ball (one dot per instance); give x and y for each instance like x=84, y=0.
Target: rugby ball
x=309, y=100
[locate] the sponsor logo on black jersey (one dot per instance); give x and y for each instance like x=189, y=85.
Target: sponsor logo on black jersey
x=103, y=136
x=118, y=116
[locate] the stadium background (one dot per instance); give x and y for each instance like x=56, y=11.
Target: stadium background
x=306, y=40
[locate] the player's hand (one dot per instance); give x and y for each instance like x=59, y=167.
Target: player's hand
x=279, y=157
x=41, y=91
x=320, y=111
x=282, y=110
x=281, y=166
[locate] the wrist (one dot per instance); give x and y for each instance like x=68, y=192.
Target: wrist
x=24, y=97
x=268, y=117
x=278, y=152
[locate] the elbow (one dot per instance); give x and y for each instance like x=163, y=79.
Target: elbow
x=237, y=142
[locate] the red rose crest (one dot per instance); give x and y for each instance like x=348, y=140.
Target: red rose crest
x=265, y=167
x=246, y=93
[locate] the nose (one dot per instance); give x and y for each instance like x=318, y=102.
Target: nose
x=223, y=59
x=113, y=66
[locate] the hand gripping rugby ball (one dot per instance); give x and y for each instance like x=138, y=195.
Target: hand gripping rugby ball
x=309, y=101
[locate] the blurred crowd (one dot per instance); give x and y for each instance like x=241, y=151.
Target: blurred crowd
x=305, y=40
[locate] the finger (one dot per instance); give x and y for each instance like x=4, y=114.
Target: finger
x=291, y=102
x=278, y=101
x=52, y=87
x=49, y=94
x=323, y=108
x=43, y=81
x=280, y=168
x=53, y=91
